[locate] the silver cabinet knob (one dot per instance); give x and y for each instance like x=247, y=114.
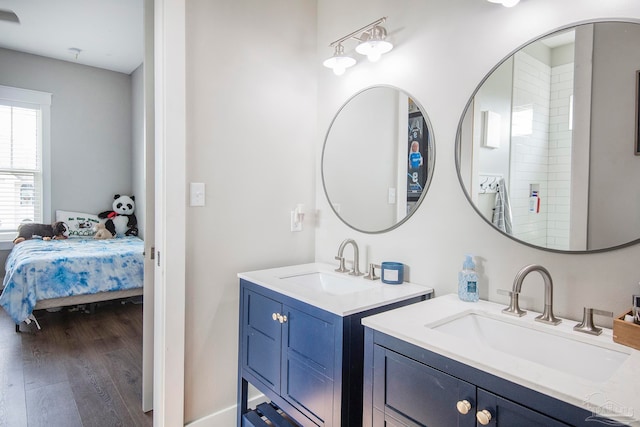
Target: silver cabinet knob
x=463, y=406
x=279, y=317
x=483, y=417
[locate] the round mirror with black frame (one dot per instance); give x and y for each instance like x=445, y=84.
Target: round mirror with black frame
x=547, y=148
x=377, y=159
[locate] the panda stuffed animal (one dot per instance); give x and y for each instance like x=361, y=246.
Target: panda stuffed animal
x=121, y=221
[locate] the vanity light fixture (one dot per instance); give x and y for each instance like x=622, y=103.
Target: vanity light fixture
x=505, y=3
x=372, y=43
x=339, y=62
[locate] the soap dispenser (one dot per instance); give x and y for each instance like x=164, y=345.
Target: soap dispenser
x=468, y=281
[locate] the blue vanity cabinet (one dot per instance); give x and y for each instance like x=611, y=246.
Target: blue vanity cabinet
x=409, y=386
x=308, y=362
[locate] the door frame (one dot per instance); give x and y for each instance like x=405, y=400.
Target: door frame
x=170, y=211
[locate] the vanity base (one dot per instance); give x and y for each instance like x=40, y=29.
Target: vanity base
x=306, y=361
x=406, y=385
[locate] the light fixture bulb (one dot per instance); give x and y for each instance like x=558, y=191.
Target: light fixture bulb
x=338, y=71
x=339, y=62
x=505, y=3
x=373, y=43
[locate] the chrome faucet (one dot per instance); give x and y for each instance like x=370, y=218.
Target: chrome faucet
x=356, y=258
x=514, y=307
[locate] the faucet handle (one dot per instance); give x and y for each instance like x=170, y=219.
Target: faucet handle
x=587, y=326
x=514, y=305
x=341, y=268
x=371, y=274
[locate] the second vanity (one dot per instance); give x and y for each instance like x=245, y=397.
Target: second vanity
x=301, y=341
x=446, y=362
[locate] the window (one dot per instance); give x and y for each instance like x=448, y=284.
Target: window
x=27, y=195
x=24, y=147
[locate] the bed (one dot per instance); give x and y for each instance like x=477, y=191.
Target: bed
x=44, y=274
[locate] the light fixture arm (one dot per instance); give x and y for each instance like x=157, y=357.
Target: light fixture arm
x=359, y=31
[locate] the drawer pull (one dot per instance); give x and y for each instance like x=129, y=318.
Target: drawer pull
x=463, y=406
x=483, y=417
x=274, y=316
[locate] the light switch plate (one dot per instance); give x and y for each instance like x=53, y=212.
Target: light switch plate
x=197, y=194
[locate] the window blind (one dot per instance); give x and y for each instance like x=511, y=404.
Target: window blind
x=21, y=190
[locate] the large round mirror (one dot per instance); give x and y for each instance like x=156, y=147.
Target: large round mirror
x=377, y=159
x=547, y=149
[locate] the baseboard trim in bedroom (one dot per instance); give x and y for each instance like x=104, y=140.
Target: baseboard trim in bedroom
x=225, y=417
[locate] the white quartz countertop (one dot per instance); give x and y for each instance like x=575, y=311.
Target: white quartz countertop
x=616, y=397
x=369, y=294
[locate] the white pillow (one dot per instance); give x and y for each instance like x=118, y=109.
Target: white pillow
x=80, y=224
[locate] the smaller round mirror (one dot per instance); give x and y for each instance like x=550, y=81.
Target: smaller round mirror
x=377, y=159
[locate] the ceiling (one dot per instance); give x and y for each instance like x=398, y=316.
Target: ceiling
x=109, y=33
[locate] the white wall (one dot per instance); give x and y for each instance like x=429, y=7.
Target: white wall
x=560, y=134
x=253, y=140
x=90, y=128
x=530, y=147
x=495, y=96
x=442, y=76
x=251, y=135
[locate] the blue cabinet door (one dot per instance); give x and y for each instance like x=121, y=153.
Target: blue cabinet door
x=262, y=335
x=308, y=365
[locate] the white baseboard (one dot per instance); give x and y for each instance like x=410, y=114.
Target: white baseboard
x=226, y=417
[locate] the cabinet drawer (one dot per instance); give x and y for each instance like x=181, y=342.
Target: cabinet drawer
x=507, y=413
x=421, y=396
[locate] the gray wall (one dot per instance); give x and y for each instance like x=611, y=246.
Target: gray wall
x=91, y=129
x=614, y=169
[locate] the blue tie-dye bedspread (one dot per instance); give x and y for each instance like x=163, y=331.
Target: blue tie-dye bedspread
x=38, y=270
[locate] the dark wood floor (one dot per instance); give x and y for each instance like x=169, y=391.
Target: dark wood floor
x=81, y=369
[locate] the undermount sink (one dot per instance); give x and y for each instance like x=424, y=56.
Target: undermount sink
x=329, y=283
x=555, y=350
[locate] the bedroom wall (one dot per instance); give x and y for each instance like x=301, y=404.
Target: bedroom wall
x=91, y=129
x=442, y=52
x=91, y=119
